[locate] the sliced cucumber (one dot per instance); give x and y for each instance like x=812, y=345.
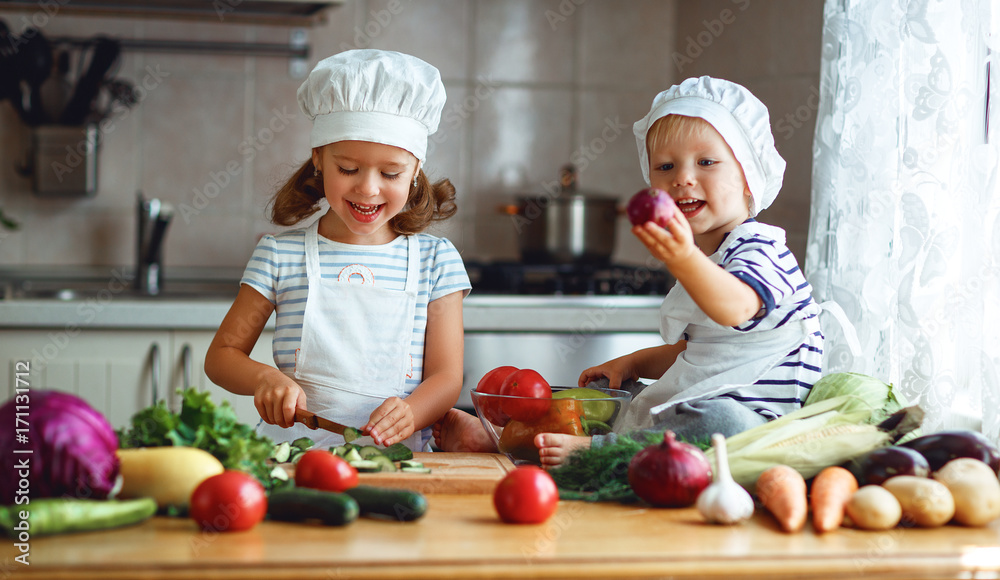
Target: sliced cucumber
x=415, y=469
x=365, y=465
x=303, y=443
x=279, y=473
x=352, y=455
x=281, y=452
x=350, y=434
x=410, y=463
x=385, y=464
x=369, y=452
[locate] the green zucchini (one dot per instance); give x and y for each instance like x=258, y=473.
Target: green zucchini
x=398, y=452
x=399, y=504
x=299, y=504
x=63, y=515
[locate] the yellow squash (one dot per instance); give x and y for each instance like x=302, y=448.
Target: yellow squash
x=166, y=474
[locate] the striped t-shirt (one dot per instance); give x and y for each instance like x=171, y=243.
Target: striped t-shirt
x=277, y=269
x=769, y=267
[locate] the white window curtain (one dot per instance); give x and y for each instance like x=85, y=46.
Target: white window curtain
x=904, y=229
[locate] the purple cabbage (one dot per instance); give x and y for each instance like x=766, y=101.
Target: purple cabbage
x=73, y=448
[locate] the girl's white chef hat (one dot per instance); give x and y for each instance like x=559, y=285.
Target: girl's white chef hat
x=738, y=116
x=373, y=95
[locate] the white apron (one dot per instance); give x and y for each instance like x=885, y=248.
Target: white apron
x=355, y=350
x=717, y=359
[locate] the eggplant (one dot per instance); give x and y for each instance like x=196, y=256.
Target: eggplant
x=880, y=464
x=940, y=448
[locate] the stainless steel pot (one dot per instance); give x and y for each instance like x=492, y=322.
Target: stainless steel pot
x=565, y=226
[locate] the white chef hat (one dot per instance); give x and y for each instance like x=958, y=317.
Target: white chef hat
x=738, y=116
x=373, y=95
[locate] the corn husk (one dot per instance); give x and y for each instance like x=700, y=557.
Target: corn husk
x=816, y=436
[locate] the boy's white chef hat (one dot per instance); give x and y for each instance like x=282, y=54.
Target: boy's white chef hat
x=738, y=116
x=373, y=95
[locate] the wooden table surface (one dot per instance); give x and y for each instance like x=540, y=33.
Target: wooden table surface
x=461, y=537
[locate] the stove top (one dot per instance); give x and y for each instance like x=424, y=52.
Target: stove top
x=567, y=279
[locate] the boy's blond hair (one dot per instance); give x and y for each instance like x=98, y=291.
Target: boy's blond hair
x=672, y=127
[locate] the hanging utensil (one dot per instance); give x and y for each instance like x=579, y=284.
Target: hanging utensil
x=33, y=65
x=105, y=55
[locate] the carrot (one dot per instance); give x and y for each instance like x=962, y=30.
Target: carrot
x=831, y=490
x=782, y=490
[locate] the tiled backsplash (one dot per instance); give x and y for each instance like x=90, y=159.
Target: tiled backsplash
x=531, y=85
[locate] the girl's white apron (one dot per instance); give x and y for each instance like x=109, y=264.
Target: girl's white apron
x=355, y=350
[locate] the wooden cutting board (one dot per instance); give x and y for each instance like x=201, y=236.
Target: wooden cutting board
x=453, y=473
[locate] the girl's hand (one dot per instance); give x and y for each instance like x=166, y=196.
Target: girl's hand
x=671, y=245
x=276, y=402
x=391, y=422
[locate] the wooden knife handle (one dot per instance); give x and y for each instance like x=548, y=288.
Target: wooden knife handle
x=307, y=418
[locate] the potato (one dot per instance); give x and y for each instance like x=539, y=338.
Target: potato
x=975, y=488
x=873, y=507
x=166, y=474
x=925, y=502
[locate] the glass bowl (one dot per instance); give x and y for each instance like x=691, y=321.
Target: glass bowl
x=513, y=422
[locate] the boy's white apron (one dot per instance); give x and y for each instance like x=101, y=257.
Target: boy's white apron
x=355, y=350
x=717, y=359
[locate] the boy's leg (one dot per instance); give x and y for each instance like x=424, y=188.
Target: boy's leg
x=698, y=420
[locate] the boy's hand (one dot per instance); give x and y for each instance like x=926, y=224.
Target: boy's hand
x=276, y=403
x=614, y=370
x=670, y=246
x=391, y=422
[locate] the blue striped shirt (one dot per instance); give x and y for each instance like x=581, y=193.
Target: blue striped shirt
x=765, y=264
x=277, y=269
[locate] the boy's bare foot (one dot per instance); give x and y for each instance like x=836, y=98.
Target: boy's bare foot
x=460, y=431
x=554, y=448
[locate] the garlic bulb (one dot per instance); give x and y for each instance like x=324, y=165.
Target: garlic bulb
x=724, y=501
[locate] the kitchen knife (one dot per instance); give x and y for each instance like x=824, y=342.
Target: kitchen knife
x=314, y=421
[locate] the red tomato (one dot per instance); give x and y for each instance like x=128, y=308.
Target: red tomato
x=491, y=383
x=526, y=383
x=320, y=469
x=527, y=495
x=228, y=502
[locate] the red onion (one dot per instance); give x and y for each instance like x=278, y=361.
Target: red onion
x=651, y=205
x=670, y=474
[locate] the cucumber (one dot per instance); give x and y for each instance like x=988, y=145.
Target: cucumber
x=303, y=443
x=365, y=465
x=369, y=452
x=350, y=434
x=63, y=515
x=300, y=504
x=385, y=464
x=415, y=469
x=281, y=452
x=352, y=456
x=403, y=505
x=398, y=452
x=410, y=463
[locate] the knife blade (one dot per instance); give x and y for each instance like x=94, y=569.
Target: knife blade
x=314, y=421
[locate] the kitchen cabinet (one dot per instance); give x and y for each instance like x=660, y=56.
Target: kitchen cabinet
x=119, y=371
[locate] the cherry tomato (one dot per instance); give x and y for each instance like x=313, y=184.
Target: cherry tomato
x=491, y=383
x=228, y=502
x=320, y=469
x=529, y=384
x=527, y=495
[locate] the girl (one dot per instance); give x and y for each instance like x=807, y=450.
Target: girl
x=369, y=311
x=743, y=341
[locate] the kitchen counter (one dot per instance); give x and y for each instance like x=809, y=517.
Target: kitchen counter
x=461, y=537
x=481, y=313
